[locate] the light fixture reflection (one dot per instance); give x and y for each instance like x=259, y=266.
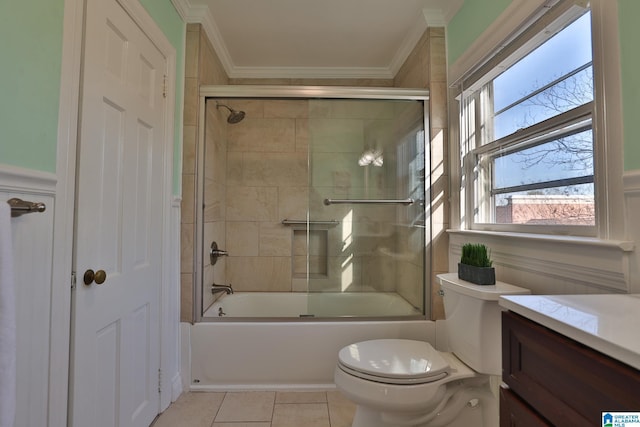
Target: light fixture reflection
x=371, y=157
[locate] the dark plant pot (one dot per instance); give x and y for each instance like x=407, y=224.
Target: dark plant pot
x=477, y=275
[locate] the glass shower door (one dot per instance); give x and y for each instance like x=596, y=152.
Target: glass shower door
x=363, y=252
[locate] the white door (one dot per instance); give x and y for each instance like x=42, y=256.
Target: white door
x=115, y=326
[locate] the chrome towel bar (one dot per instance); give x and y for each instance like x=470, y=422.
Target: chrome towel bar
x=407, y=202
x=21, y=207
x=331, y=222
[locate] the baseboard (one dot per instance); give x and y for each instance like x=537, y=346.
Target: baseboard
x=263, y=387
x=176, y=387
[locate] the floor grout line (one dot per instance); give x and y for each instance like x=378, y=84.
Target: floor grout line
x=292, y=404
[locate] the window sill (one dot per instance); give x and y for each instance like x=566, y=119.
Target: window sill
x=594, y=265
x=622, y=245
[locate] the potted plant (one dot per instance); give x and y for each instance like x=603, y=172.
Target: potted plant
x=475, y=265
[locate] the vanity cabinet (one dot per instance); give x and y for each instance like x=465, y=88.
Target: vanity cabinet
x=553, y=380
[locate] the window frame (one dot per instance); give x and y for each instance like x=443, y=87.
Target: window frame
x=606, y=115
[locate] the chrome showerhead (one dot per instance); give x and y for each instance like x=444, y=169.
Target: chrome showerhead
x=234, y=116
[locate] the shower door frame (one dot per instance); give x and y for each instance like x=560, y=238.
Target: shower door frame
x=295, y=92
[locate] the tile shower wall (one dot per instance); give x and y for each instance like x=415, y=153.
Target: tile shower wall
x=267, y=170
x=202, y=66
x=426, y=67
x=215, y=208
x=266, y=175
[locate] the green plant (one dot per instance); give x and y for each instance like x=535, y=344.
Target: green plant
x=476, y=254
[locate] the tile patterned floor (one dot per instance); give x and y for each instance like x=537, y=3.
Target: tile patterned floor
x=258, y=409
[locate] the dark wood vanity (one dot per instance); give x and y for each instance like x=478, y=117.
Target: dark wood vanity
x=550, y=379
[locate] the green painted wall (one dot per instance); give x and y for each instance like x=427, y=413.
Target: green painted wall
x=476, y=15
x=165, y=15
x=31, y=52
x=629, y=13
x=470, y=21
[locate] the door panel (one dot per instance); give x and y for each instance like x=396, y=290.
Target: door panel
x=115, y=354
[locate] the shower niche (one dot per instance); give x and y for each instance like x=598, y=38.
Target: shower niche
x=314, y=190
x=310, y=255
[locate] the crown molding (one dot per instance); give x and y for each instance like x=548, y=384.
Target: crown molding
x=203, y=16
x=432, y=17
x=182, y=7
x=408, y=44
x=451, y=8
x=311, y=72
x=197, y=14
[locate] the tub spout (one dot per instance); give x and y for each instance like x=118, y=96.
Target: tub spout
x=221, y=288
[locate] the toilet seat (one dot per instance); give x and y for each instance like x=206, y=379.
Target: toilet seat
x=394, y=361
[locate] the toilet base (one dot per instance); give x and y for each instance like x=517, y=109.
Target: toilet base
x=465, y=398
x=364, y=417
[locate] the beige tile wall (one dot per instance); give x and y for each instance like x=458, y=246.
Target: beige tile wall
x=426, y=68
x=267, y=161
x=202, y=66
x=265, y=170
x=215, y=205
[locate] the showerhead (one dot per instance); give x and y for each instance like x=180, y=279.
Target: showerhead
x=234, y=116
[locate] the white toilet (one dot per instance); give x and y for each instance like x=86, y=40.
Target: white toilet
x=397, y=382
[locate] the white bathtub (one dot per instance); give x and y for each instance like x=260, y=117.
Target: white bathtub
x=271, y=355
x=321, y=304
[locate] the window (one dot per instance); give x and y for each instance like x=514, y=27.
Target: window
x=527, y=132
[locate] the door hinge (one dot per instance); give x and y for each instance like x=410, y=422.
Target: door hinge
x=164, y=86
x=73, y=280
x=159, y=380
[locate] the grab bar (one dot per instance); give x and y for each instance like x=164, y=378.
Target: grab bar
x=21, y=207
x=407, y=202
x=331, y=222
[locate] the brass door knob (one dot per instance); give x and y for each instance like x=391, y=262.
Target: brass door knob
x=100, y=277
x=90, y=276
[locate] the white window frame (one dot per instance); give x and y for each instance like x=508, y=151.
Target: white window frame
x=607, y=113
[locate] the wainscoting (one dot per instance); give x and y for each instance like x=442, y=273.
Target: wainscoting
x=32, y=236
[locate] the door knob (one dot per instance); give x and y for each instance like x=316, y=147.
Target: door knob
x=100, y=277
x=90, y=276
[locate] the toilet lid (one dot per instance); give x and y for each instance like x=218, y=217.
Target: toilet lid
x=393, y=361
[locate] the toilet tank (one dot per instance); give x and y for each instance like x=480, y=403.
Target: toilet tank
x=473, y=321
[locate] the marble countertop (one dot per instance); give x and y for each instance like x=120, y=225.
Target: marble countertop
x=609, y=323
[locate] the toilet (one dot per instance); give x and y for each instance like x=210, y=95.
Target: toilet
x=400, y=382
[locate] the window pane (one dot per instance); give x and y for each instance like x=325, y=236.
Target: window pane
x=567, y=157
x=570, y=205
x=566, y=51
x=569, y=93
x=532, y=151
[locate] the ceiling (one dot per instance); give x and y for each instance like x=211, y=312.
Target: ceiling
x=315, y=38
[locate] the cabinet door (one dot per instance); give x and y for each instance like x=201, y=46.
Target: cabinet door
x=563, y=380
x=515, y=413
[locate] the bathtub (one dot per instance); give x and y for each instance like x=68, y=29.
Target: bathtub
x=247, y=353
x=320, y=304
